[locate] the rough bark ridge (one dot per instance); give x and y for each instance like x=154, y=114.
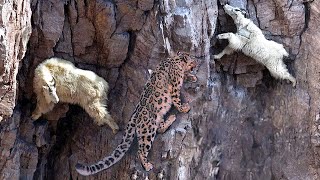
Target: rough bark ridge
x=242, y=124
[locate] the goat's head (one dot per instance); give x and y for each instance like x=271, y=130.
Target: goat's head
x=234, y=12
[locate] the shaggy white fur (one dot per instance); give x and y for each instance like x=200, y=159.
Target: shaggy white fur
x=59, y=80
x=250, y=40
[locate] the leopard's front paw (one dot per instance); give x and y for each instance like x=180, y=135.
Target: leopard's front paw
x=193, y=78
x=148, y=166
x=185, y=108
x=172, y=118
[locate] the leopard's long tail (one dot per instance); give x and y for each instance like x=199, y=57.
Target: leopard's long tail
x=115, y=156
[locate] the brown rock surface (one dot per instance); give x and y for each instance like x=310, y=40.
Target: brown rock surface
x=243, y=123
x=14, y=32
x=15, y=154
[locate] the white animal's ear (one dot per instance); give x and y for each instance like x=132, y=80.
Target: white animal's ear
x=243, y=11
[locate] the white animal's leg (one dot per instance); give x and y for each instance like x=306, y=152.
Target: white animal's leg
x=283, y=51
x=236, y=42
x=280, y=70
x=41, y=108
x=293, y=80
x=225, y=36
x=36, y=114
x=110, y=121
x=279, y=48
x=98, y=112
x=227, y=50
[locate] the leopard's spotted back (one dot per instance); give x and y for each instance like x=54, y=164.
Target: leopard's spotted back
x=159, y=93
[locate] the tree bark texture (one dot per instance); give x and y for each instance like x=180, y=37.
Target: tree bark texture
x=243, y=123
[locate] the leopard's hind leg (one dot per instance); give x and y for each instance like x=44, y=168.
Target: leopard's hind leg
x=146, y=133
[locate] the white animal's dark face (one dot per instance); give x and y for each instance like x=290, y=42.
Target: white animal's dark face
x=50, y=91
x=233, y=11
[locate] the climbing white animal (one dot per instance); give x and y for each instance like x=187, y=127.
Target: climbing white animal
x=57, y=80
x=250, y=40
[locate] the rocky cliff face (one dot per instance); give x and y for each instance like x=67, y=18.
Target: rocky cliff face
x=243, y=123
x=15, y=30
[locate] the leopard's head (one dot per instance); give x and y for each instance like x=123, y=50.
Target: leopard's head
x=188, y=60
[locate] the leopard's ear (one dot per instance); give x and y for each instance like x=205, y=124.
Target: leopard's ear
x=185, y=58
x=182, y=53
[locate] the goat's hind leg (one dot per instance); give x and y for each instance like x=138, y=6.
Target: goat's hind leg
x=280, y=71
x=101, y=116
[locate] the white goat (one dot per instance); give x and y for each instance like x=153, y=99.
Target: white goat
x=250, y=40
